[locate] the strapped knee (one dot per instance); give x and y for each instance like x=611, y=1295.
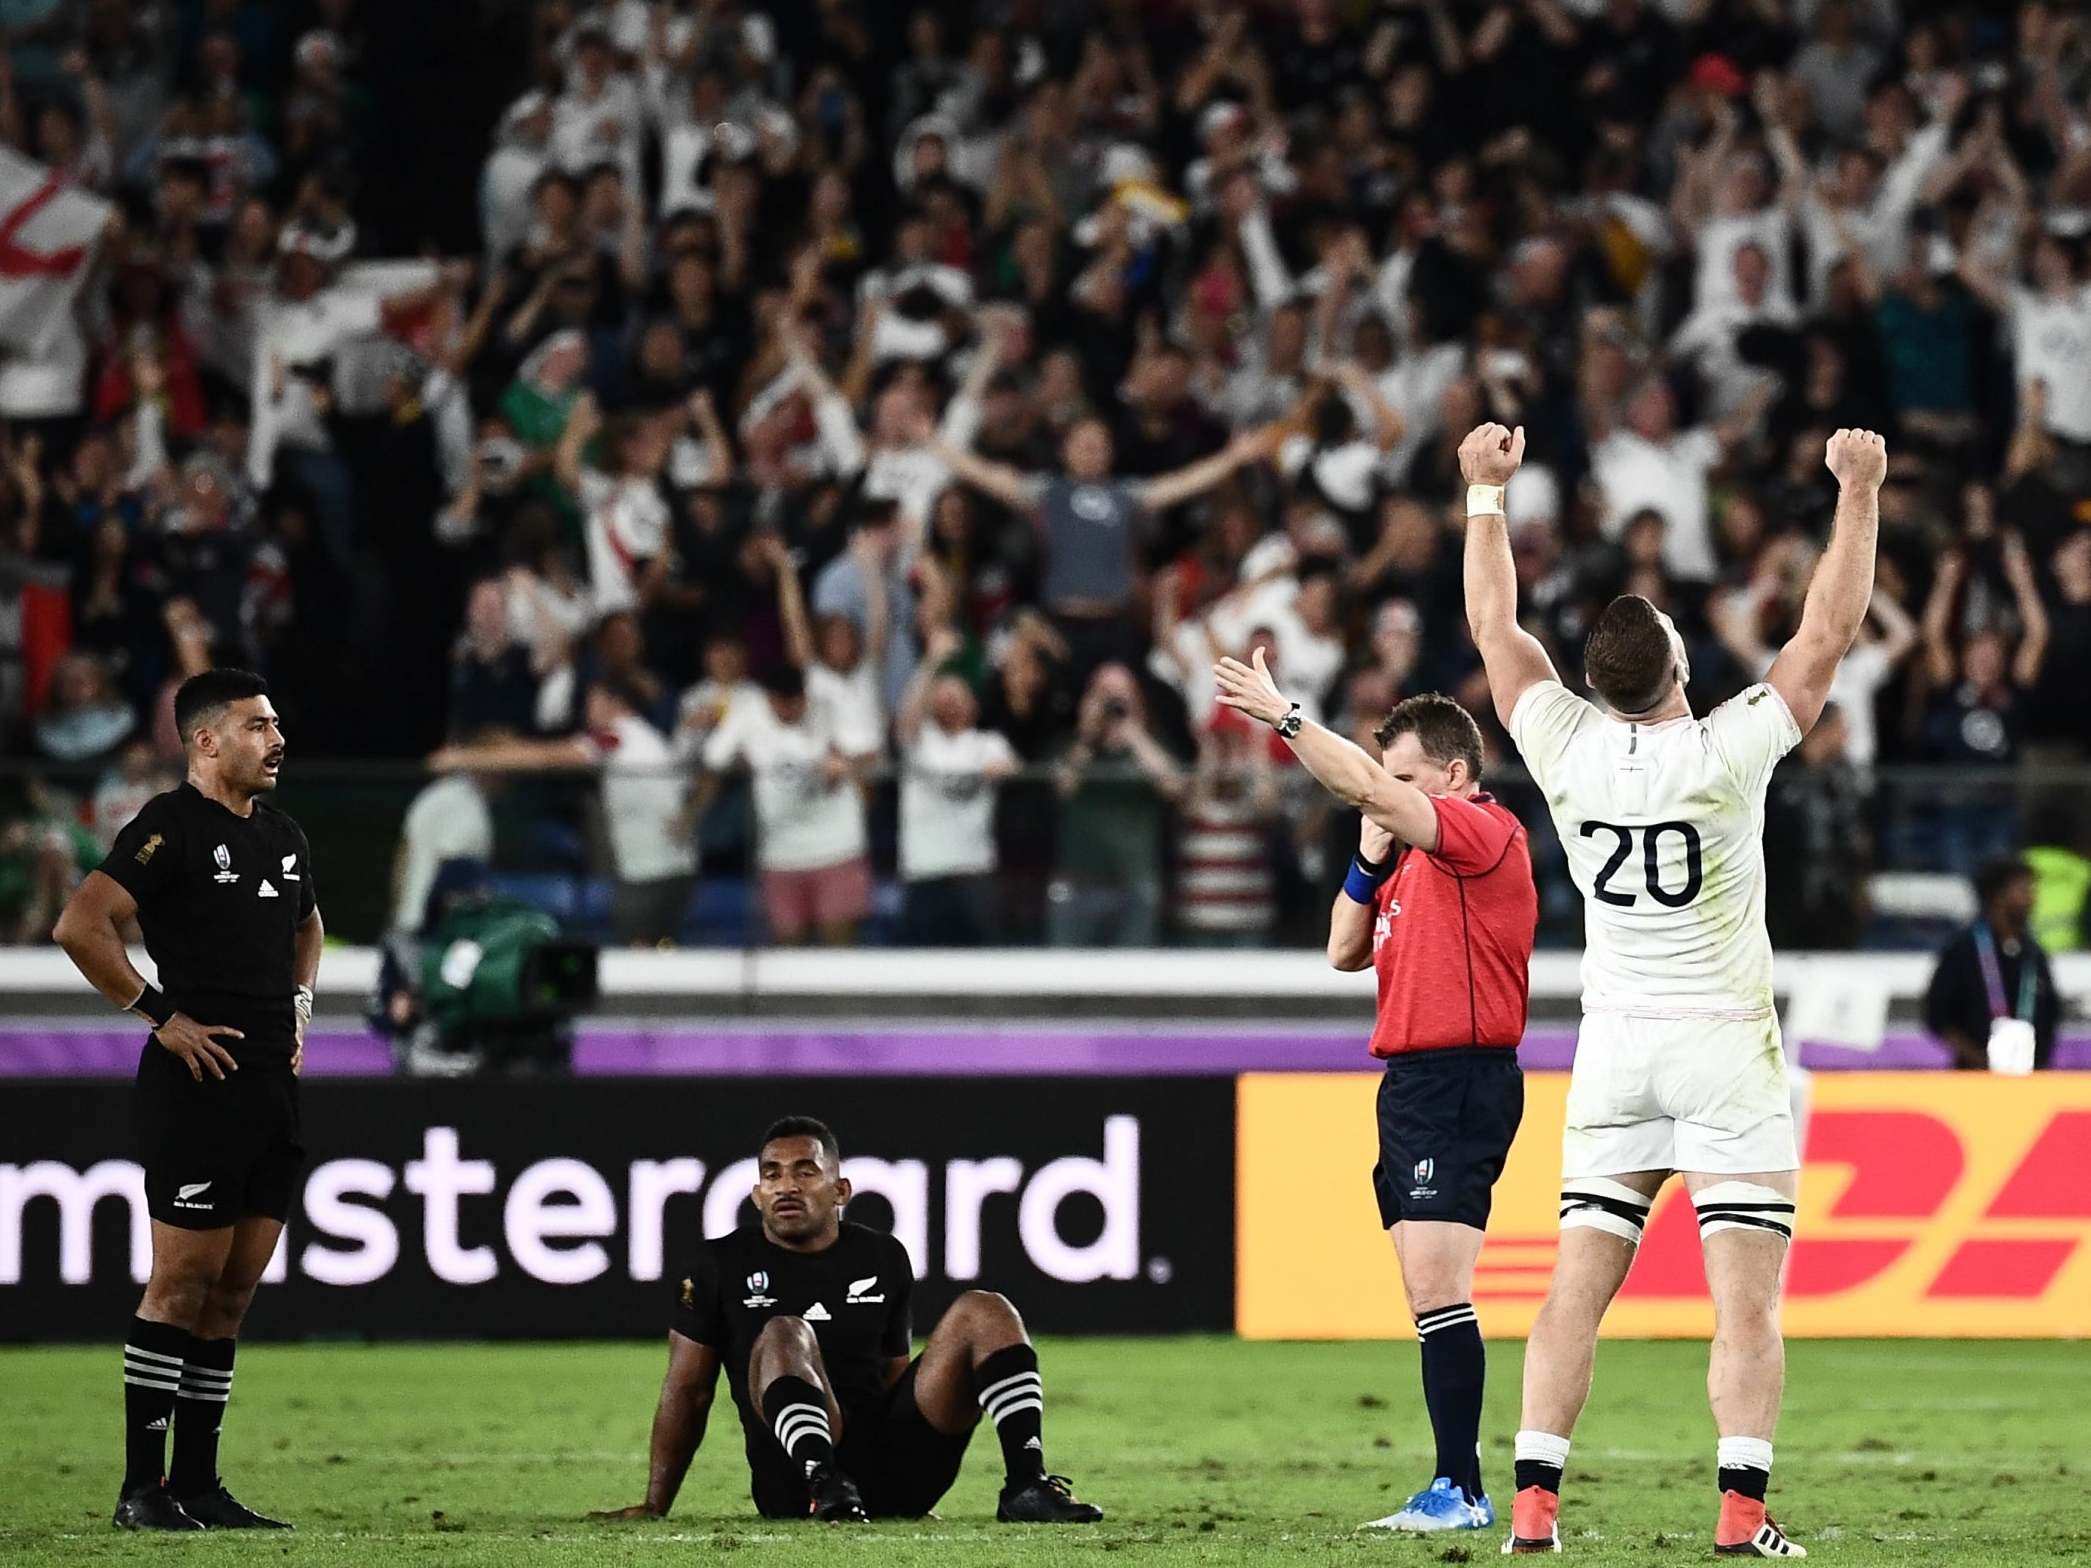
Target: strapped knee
x=1743, y=1205
x=1597, y=1203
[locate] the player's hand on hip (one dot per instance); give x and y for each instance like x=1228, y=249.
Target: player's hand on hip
x=1490, y=454
x=1859, y=459
x=1248, y=688
x=619, y=1515
x=197, y=1045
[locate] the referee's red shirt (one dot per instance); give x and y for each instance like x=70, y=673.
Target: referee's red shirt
x=1452, y=937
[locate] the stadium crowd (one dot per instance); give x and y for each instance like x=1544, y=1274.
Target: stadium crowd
x=814, y=392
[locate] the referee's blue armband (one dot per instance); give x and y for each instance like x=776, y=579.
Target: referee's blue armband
x=1361, y=884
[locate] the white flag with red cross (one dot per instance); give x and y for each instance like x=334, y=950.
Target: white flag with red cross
x=48, y=232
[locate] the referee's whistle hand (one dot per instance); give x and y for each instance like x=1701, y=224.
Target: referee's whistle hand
x=197, y=1045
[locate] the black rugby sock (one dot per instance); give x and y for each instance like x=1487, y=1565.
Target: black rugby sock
x=1013, y=1396
x=199, y=1413
x=798, y=1413
x=152, y=1371
x=1454, y=1368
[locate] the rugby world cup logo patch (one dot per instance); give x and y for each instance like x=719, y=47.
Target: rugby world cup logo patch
x=223, y=857
x=1423, y=1172
x=759, y=1290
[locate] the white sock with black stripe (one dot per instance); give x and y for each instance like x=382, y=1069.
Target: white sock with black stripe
x=798, y=1413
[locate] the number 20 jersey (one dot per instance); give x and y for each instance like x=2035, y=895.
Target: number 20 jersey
x=1664, y=829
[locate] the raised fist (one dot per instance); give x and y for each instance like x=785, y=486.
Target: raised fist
x=1490, y=454
x=1859, y=458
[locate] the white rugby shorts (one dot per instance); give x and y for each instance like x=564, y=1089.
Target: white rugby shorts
x=1704, y=1094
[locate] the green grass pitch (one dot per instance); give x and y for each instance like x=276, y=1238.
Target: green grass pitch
x=1202, y=1450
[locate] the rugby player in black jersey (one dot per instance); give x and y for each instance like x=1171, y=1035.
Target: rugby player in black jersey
x=221, y=886
x=809, y=1316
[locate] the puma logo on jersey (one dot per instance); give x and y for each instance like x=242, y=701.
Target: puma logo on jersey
x=817, y=1314
x=857, y=1289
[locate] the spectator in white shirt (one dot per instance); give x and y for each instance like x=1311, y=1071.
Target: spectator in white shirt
x=627, y=515
x=645, y=805
x=951, y=772
x=841, y=664
x=598, y=117
x=1709, y=336
x=2050, y=324
x=1723, y=200
x=508, y=184
x=1867, y=202
x=1650, y=465
x=1771, y=601
x=448, y=820
x=808, y=763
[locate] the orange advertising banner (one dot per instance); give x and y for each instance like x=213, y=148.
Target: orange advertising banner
x=1931, y=1204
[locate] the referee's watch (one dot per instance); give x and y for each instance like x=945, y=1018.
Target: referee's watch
x=1288, y=725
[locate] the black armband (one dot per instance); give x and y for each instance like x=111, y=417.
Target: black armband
x=152, y=1006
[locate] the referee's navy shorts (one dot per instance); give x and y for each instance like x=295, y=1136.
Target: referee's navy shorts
x=1446, y=1121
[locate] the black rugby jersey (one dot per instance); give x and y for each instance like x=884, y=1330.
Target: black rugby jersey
x=854, y=1296
x=220, y=899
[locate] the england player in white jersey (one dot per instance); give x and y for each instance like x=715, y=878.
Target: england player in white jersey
x=1678, y=1066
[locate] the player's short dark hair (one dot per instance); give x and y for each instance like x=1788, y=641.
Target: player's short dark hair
x=805, y=1127
x=201, y=698
x=1445, y=730
x=1994, y=876
x=1627, y=658
x=785, y=681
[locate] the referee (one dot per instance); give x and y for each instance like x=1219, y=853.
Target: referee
x=221, y=885
x=1440, y=903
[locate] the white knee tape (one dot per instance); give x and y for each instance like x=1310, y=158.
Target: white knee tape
x=1743, y=1205
x=1599, y=1203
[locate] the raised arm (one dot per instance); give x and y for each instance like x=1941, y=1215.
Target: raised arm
x=679, y=1420
x=1940, y=662
x=999, y=480
x=1341, y=767
x=1842, y=588
x=1167, y=490
x=582, y=422
x=1515, y=660
x=2032, y=612
x=1898, y=633
x=791, y=604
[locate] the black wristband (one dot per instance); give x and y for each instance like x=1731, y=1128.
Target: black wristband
x=152, y=1005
